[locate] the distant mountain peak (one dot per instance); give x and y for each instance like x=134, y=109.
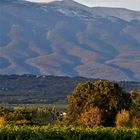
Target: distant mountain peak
x=66, y=2
x=72, y=8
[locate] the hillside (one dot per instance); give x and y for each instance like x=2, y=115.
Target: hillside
x=30, y=89
x=68, y=39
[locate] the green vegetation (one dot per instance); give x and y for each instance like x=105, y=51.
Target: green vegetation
x=67, y=133
x=29, y=116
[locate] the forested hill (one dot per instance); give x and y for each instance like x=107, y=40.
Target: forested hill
x=32, y=89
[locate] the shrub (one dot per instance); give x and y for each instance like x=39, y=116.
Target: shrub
x=136, y=121
x=2, y=121
x=123, y=119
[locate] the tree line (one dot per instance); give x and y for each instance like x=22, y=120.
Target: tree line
x=35, y=89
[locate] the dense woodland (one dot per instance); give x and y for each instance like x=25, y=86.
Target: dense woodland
x=31, y=89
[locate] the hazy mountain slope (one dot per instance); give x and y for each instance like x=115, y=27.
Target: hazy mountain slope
x=121, y=13
x=66, y=38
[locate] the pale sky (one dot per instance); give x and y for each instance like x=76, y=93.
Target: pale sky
x=129, y=4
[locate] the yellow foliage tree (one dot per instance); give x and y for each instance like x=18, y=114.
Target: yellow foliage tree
x=2, y=121
x=123, y=119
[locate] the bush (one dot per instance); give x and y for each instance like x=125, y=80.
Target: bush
x=123, y=119
x=2, y=121
x=29, y=115
x=136, y=121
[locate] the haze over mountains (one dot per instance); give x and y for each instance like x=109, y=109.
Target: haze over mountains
x=68, y=39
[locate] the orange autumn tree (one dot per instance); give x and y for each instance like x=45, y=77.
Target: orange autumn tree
x=90, y=118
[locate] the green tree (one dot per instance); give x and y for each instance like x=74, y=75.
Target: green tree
x=135, y=106
x=105, y=95
x=110, y=99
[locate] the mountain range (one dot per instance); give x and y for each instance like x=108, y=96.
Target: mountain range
x=65, y=38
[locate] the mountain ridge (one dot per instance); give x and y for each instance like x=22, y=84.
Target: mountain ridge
x=66, y=40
